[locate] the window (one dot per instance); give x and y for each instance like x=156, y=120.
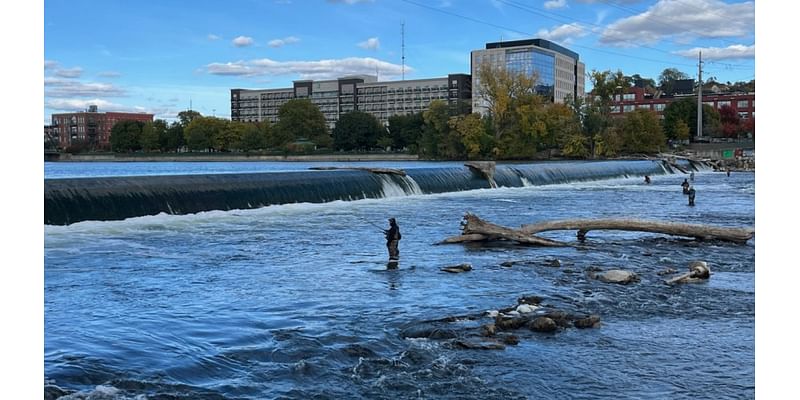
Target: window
x=659, y=106
x=742, y=104
x=720, y=104
x=643, y=106
x=628, y=108
x=629, y=96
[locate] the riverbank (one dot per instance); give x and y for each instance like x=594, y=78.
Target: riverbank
x=229, y=157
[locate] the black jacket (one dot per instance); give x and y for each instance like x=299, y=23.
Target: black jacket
x=393, y=233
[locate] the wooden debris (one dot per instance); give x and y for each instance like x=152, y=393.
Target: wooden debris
x=476, y=229
x=485, y=169
x=698, y=272
x=700, y=232
x=390, y=171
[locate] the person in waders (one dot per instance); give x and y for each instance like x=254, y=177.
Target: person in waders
x=647, y=179
x=685, y=185
x=691, y=195
x=393, y=239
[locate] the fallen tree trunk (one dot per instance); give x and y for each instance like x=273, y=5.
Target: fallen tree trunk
x=700, y=232
x=390, y=171
x=476, y=229
x=485, y=169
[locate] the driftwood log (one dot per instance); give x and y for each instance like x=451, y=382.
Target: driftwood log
x=698, y=272
x=390, y=171
x=474, y=229
x=485, y=169
x=699, y=232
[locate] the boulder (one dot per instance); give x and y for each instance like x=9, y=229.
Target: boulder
x=618, y=276
x=543, y=324
x=591, y=321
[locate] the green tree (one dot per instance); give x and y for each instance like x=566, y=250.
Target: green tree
x=202, y=133
x=301, y=119
x=504, y=91
x=435, y=127
x=187, y=116
x=606, y=84
x=125, y=136
x=255, y=136
x=230, y=137
x=172, y=138
x=685, y=110
x=472, y=132
x=148, y=140
x=681, y=131
x=641, y=132
x=357, y=130
x=406, y=130
x=667, y=78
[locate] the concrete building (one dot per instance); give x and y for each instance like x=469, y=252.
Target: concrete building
x=359, y=92
x=559, y=71
x=90, y=127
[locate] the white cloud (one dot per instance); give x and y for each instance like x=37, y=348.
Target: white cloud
x=58, y=87
x=68, y=72
x=551, y=4
x=283, y=42
x=370, y=44
x=109, y=74
x=212, y=36
x=242, y=41
x=720, y=53
x=321, y=69
x=70, y=105
x=563, y=33
x=705, y=18
x=50, y=64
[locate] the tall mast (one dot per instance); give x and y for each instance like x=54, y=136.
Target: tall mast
x=403, y=48
x=700, y=94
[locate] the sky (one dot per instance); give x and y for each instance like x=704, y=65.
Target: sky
x=164, y=56
x=156, y=56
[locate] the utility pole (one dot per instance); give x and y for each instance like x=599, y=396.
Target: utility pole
x=403, y=48
x=700, y=94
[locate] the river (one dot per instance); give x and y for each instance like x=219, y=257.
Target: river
x=295, y=301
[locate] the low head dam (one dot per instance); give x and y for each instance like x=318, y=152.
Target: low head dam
x=71, y=200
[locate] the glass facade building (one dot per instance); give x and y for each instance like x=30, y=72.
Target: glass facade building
x=559, y=72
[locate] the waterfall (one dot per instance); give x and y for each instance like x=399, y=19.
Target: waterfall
x=113, y=198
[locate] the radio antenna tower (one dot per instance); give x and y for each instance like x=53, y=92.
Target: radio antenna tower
x=403, y=48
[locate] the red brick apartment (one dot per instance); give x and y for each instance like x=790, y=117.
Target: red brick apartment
x=90, y=126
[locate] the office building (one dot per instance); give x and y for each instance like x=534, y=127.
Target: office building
x=382, y=99
x=559, y=71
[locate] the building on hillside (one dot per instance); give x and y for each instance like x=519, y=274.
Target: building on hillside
x=335, y=97
x=90, y=127
x=637, y=98
x=559, y=71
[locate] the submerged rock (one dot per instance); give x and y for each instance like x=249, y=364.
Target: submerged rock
x=427, y=331
x=591, y=321
x=543, y=324
x=458, y=268
x=618, y=276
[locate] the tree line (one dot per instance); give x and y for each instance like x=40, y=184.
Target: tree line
x=519, y=124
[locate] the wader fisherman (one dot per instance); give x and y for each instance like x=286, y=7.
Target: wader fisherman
x=685, y=186
x=691, y=195
x=392, y=239
x=647, y=179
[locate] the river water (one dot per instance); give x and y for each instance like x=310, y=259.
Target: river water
x=295, y=301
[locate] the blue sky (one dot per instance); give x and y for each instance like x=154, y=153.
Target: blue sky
x=157, y=56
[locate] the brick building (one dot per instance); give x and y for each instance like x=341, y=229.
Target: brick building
x=636, y=98
x=90, y=127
